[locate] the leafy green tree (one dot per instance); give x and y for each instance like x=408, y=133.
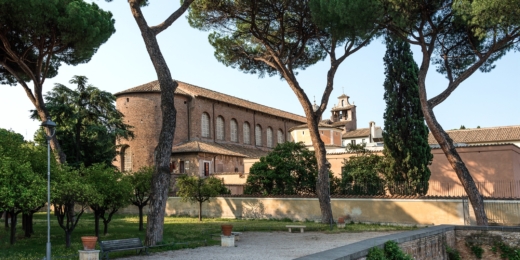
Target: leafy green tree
x=20, y=189
x=69, y=192
x=361, y=175
x=459, y=37
x=282, y=37
x=199, y=189
x=110, y=193
x=161, y=177
x=37, y=36
x=405, y=135
x=141, y=182
x=22, y=183
x=88, y=122
x=289, y=169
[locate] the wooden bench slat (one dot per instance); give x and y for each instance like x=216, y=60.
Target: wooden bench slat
x=108, y=246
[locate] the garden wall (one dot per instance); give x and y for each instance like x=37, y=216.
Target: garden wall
x=395, y=211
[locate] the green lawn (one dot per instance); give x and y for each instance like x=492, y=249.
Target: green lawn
x=177, y=230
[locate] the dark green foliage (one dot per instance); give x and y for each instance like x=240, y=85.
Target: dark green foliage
x=507, y=252
x=453, y=254
x=141, y=182
x=110, y=192
x=477, y=250
x=43, y=34
x=360, y=175
x=289, y=169
x=405, y=135
x=296, y=39
x=391, y=251
x=70, y=196
x=88, y=122
x=199, y=189
x=22, y=178
x=376, y=253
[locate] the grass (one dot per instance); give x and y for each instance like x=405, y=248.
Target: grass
x=179, y=232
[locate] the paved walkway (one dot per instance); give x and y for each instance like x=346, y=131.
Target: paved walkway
x=268, y=245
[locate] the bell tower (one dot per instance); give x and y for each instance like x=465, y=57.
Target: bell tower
x=345, y=112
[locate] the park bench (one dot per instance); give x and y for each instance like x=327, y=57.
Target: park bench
x=295, y=226
x=108, y=246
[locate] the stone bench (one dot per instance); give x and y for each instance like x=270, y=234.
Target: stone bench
x=295, y=226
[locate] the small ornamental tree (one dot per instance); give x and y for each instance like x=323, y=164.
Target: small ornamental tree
x=197, y=189
x=22, y=186
x=110, y=193
x=360, y=175
x=141, y=182
x=289, y=169
x=21, y=189
x=405, y=135
x=68, y=190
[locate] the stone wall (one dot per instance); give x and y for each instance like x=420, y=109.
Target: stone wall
x=431, y=243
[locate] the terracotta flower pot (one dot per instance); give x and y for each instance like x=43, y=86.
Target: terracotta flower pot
x=226, y=230
x=89, y=242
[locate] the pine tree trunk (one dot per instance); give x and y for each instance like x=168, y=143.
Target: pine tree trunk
x=55, y=145
x=449, y=149
x=323, y=181
x=140, y=218
x=161, y=175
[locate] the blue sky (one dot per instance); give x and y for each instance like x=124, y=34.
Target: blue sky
x=485, y=100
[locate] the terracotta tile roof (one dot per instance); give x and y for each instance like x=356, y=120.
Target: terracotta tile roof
x=194, y=91
x=219, y=148
x=339, y=123
x=357, y=133
x=320, y=124
x=482, y=135
x=338, y=108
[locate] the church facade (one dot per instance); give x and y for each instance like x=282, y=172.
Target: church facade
x=214, y=132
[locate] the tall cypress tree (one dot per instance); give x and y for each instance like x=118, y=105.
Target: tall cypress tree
x=406, y=135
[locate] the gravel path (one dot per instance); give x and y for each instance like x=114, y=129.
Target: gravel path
x=267, y=245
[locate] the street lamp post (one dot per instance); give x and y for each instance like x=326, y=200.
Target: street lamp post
x=51, y=126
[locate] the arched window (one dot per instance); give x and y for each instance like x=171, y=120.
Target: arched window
x=220, y=128
x=269, y=137
x=258, y=135
x=247, y=133
x=205, y=125
x=280, y=136
x=233, y=126
x=126, y=160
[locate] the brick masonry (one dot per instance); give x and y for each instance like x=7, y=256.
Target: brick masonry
x=142, y=111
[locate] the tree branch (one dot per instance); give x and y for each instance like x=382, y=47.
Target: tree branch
x=172, y=18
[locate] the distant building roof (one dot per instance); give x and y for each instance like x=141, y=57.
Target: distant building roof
x=194, y=91
x=482, y=135
x=320, y=124
x=361, y=132
x=219, y=148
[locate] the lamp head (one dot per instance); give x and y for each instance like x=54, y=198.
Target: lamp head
x=51, y=126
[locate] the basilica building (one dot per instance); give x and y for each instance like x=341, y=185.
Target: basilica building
x=215, y=132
